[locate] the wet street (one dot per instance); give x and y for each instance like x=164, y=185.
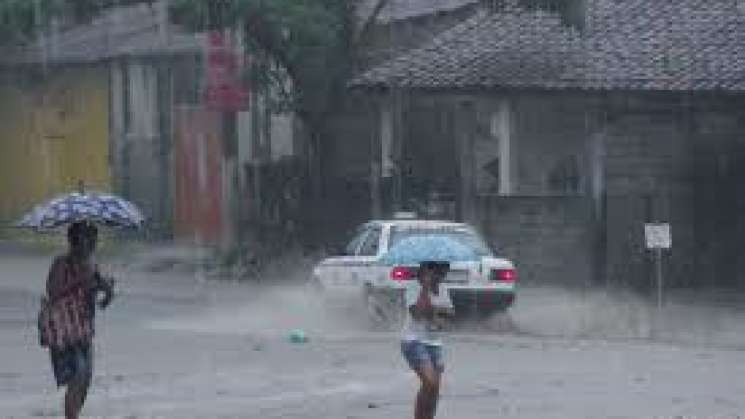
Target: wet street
x=175, y=347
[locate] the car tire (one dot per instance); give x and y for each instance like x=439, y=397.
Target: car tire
x=500, y=321
x=372, y=315
x=317, y=291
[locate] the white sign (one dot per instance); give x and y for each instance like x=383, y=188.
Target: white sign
x=658, y=236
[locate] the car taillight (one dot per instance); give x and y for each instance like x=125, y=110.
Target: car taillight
x=402, y=273
x=504, y=275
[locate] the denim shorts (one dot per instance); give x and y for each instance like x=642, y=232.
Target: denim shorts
x=418, y=354
x=74, y=363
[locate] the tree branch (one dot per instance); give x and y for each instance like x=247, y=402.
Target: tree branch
x=370, y=21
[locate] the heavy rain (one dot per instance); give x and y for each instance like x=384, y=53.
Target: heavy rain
x=351, y=209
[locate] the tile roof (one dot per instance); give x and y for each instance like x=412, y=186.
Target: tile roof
x=408, y=9
x=133, y=30
x=667, y=45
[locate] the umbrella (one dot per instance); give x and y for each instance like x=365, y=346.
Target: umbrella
x=416, y=249
x=106, y=209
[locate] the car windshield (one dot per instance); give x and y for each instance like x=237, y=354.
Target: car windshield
x=464, y=235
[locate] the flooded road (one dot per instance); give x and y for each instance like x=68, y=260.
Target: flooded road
x=175, y=347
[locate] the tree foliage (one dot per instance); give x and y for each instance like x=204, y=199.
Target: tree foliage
x=18, y=19
x=312, y=42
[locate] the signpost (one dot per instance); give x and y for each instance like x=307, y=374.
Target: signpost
x=658, y=238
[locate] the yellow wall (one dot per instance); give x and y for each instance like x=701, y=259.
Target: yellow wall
x=53, y=133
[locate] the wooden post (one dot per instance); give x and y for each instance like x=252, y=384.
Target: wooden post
x=165, y=107
x=376, y=163
x=255, y=135
x=230, y=178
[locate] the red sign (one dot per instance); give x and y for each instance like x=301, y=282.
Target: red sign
x=224, y=88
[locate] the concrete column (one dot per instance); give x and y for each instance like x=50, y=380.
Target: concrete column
x=387, y=150
x=465, y=125
x=397, y=149
x=595, y=130
x=501, y=128
x=116, y=125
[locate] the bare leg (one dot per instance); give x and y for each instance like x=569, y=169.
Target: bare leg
x=435, y=396
x=75, y=395
x=426, y=401
x=420, y=408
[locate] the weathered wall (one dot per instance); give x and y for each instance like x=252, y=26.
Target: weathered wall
x=546, y=224
x=592, y=169
x=648, y=172
x=198, y=176
x=346, y=159
x=550, y=144
x=550, y=239
x=718, y=131
x=678, y=160
x=140, y=129
x=55, y=133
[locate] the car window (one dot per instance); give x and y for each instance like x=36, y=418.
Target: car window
x=354, y=244
x=372, y=242
x=464, y=235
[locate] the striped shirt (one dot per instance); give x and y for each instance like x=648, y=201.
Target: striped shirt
x=67, y=316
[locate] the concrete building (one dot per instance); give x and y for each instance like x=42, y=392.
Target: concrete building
x=560, y=132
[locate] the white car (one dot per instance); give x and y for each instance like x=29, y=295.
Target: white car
x=482, y=287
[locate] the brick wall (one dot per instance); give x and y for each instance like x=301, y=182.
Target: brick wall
x=719, y=203
x=550, y=239
x=661, y=158
x=648, y=178
x=549, y=131
x=684, y=165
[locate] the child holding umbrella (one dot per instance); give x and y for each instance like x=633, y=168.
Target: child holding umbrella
x=428, y=307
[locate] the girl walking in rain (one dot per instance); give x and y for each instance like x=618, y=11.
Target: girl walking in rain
x=67, y=321
x=428, y=308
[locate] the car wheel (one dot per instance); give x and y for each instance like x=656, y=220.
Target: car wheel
x=499, y=321
x=374, y=314
x=317, y=290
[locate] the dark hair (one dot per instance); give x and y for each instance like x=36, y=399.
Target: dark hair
x=440, y=266
x=80, y=229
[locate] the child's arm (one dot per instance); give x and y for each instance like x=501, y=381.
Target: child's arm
x=106, y=286
x=423, y=308
x=443, y=310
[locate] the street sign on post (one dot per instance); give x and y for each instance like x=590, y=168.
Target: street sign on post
x=657, y=238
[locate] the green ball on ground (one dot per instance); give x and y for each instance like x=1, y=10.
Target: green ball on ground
x=298, y=336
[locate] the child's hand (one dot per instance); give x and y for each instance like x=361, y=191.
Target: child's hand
x=441, y=320
x=108, y=290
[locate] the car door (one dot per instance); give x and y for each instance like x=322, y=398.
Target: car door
x=363, y=269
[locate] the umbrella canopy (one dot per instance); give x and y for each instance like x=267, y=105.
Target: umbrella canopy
x=106, y=209
x=416, y=249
